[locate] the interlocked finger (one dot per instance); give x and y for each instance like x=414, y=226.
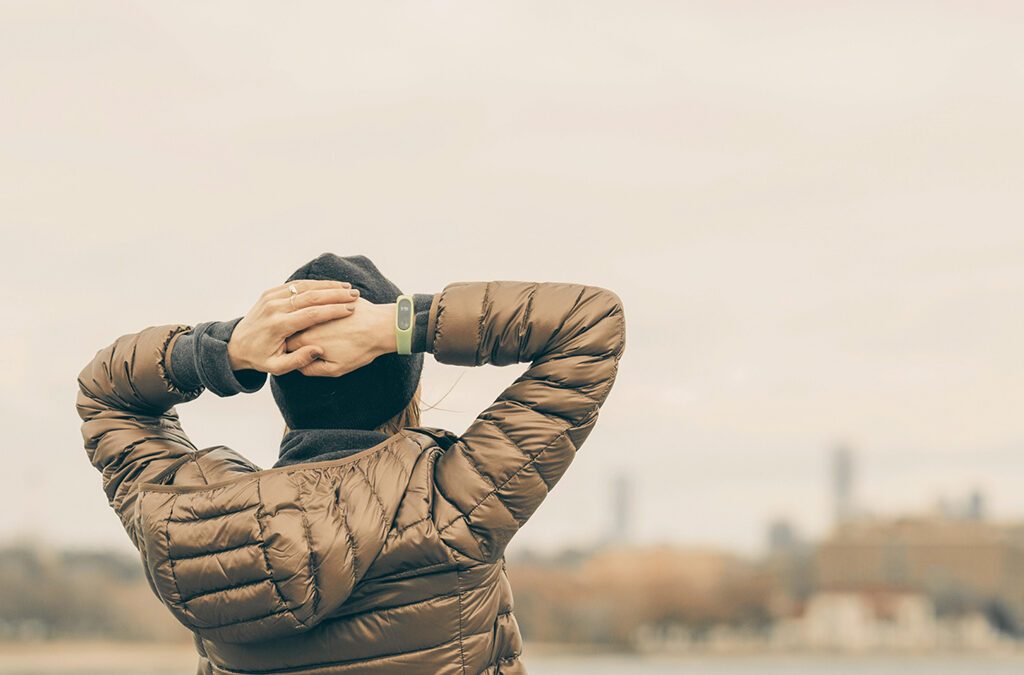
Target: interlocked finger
x=327, y=296
x=303, y=285
x=302, y=319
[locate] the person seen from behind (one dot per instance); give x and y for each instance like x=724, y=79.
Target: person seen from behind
x=375, y=544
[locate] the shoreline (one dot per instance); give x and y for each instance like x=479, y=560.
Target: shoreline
x=116, y=651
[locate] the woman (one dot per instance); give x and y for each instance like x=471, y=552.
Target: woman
x=375, y=545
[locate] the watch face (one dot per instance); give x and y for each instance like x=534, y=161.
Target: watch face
x=404, y=314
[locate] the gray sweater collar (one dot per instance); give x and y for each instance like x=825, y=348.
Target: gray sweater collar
x=319, y=445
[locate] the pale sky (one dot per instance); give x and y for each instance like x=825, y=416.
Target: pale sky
x=813, y=216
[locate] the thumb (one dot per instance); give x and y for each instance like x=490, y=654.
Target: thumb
x=300, y=358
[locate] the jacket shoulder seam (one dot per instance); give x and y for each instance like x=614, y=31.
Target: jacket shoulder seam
x=351, y=539
x=266, y=557
x=312, y=560
x=376, y=497
x=170, y=561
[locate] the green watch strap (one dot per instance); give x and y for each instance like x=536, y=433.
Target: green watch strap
x=405, y=319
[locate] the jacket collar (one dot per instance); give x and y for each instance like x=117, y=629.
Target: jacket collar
x=318, y=445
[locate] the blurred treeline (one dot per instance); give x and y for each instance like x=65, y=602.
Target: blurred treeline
x=602, y=596
x=46, y=594
x=582, y=598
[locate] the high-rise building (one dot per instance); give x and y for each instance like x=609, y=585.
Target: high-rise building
x=976, y=506
x=783, y=538
x=842, y=484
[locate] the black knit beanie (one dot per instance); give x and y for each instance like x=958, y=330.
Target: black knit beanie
x=366, y=397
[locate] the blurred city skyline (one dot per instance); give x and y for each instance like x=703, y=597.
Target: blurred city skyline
x=811, y=213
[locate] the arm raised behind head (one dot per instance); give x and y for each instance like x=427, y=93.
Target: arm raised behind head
x=500, y=470
x=508, y=460
x=127, y=392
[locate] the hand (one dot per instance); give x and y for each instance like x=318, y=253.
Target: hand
x=258, y=341
x=348, y=343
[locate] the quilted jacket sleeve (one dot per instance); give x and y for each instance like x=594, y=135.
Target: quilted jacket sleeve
x=500, y=470
x=236, y=554
x=131, y=430
x=130, y=427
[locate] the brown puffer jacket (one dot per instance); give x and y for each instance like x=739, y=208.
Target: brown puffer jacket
x=387, y=561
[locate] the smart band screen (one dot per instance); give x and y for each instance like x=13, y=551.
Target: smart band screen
x=404, y=313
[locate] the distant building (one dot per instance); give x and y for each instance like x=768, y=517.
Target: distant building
x=861, y=621
x=882, y=620
x=783, y=538
x=976, y=505
x=973, y=507
x=788, y=566
x=961, y=564
x=843, y=505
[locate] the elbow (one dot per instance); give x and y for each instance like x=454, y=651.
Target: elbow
x=88, y=401
x=607, y=299
x=612, y=312
x=96, y=370
x=613, y=300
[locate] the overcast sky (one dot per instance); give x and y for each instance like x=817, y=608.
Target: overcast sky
x=813, y=215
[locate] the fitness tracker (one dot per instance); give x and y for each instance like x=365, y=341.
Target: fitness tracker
x=404, y=320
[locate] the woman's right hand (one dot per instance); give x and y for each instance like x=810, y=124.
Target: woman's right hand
x=348, y=343
x=258, y=340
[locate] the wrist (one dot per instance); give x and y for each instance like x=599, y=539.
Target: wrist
x=236, y=359
x=208, y=355
x=387, y=341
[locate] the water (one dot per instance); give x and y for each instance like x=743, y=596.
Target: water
x=182, y=661
x=777, y=665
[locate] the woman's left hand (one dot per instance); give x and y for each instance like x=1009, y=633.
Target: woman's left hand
x=258, y=340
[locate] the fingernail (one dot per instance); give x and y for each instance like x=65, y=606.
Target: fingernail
x=354, y=292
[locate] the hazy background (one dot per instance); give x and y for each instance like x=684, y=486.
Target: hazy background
x=813, y=215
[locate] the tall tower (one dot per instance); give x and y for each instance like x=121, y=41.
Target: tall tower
x=975, y=505
x=842, y=484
